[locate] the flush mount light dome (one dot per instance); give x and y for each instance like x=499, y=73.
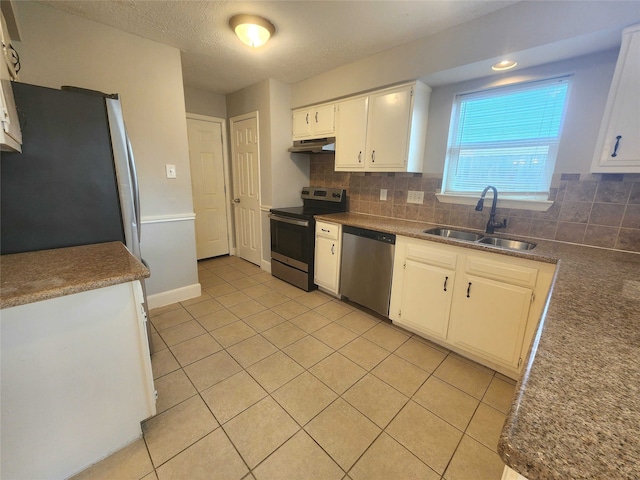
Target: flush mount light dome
x=252, y=29
x=504, y=65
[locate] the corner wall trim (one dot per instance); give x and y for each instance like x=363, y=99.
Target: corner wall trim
x=172, y=296
x=180, y=217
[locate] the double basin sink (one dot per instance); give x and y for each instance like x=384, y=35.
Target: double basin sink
x=478, y=238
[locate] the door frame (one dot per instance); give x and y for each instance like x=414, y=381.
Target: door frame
x=232, y=120
x=228, y=186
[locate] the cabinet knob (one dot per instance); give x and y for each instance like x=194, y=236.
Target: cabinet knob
x=615, y=148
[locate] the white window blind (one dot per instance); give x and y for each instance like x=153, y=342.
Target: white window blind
x=506, y=137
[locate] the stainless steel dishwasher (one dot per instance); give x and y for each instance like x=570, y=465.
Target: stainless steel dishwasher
x=367, y=265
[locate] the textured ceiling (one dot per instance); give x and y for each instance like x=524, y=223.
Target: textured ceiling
x=311, y=37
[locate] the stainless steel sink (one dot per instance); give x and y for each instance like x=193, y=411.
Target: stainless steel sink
x=508, y=244
x=455, y=234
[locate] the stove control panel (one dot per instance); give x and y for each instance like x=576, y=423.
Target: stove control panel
x=323, y=194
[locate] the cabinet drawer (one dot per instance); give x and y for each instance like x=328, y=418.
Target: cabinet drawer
x=432, y=256
x=329, y=230
x=501, y=271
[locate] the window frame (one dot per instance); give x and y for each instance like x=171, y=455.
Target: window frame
x=538, y=200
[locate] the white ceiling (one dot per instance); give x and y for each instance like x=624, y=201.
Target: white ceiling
x=311, y=37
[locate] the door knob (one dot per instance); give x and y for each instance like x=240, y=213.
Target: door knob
x=236, y=200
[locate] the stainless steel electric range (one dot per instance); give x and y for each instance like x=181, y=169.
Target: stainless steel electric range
x=293, y=234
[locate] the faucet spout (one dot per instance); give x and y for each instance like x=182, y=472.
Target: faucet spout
x=491, y=224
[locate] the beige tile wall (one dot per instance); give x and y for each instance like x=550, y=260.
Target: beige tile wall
x=591, y=209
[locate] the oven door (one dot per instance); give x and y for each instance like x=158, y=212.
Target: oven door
x=292, y=241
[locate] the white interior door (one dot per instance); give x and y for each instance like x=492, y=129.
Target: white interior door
x=246, y=185
x=207, y=159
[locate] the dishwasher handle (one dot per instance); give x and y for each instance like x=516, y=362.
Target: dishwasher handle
x=371, y=234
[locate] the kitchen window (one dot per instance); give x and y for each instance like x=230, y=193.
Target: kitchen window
x=507, y=137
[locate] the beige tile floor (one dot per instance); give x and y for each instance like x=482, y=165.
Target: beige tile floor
x=260, y=380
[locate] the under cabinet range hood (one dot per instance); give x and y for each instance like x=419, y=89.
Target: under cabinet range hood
x=317, y=145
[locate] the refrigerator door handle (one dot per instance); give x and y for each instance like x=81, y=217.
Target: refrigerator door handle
x=134, y=181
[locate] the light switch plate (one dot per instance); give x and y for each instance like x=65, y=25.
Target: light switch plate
x=414, y=196
x=383, y=194
x=171, y=171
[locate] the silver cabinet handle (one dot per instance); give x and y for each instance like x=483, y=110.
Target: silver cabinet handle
x=373, y=156
x=292, y=221
x=325, y=230
x=236, y=200
x=332, y=247
x=307, y=119
x=360, y=157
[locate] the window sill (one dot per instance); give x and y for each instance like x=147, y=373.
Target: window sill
x=521, y=203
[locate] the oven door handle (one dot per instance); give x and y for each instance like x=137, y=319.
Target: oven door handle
x=278, y=218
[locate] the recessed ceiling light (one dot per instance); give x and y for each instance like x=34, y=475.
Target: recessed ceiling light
x=252, y=29
x=504, y=65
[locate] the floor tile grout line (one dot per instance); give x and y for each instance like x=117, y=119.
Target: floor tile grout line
x=366, y=369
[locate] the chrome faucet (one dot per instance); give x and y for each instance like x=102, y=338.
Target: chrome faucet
x=491, y=224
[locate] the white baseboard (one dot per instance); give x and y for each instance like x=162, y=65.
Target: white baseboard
x=172, y=296
x=264, y=265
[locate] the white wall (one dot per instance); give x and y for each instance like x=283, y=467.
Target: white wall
x=592, y=76
x=205, y=103
x=291, y=170
x=282, y=174
x=61, y=49
x=518, y=28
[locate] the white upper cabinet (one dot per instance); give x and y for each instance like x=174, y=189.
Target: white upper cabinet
x=351, y=133
x=314, y=122
x=10, y=133
x=384, y=131
x=618, y=147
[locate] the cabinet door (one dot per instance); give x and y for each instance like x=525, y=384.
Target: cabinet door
x=326, y=263
x=323, y=120
x=618, y=147
x=302, y=124
x=489, y=318
x=351, y=134
x=388, y=129
x=426, y=298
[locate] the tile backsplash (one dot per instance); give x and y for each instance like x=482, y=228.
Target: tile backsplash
x=592, y=209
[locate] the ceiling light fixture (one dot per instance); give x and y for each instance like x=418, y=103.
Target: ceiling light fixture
x=504, y=65
x=252, y=29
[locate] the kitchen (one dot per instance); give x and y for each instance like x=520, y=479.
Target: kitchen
x=167, y=237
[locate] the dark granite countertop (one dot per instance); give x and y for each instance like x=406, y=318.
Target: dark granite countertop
x=34, y=276
x=576, y=409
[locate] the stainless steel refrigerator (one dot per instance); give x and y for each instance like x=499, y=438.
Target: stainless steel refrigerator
x=75, y=182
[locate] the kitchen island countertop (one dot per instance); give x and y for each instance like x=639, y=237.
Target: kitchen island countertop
x=34, y=276
x=576, y=409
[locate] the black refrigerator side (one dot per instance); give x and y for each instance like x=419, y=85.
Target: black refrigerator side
x=62, y=190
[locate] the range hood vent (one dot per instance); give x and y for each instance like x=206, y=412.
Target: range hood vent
x=317, y=145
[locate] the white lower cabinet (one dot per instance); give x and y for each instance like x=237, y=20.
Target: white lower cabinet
x=327, y=256
x=422, y=287
x=483, y=305
x=509, y=474
x=489, y=318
